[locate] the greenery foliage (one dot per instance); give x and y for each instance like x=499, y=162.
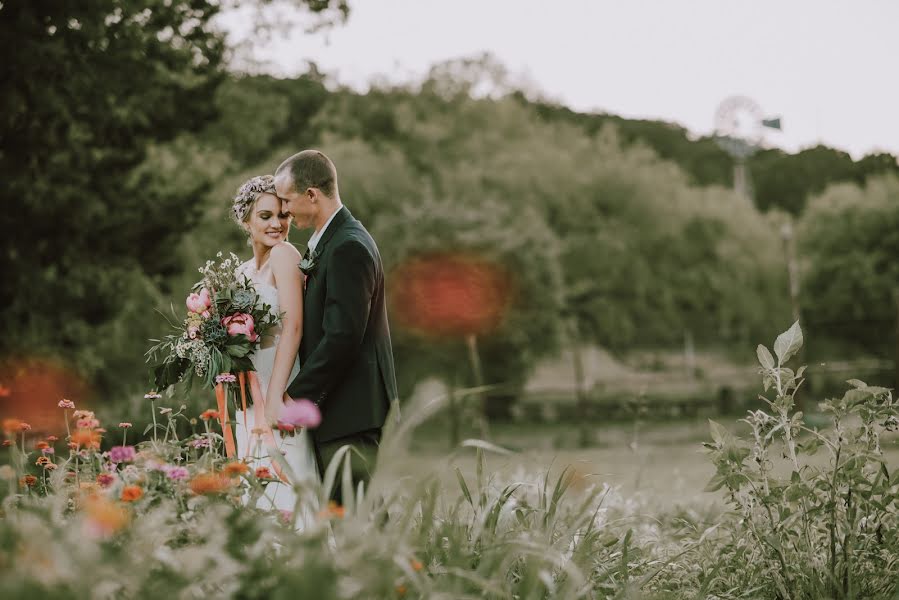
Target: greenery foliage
x=167, y=517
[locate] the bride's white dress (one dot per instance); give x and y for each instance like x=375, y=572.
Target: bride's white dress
x=297, y=448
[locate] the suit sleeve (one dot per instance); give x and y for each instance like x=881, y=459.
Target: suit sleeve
x=350, y=285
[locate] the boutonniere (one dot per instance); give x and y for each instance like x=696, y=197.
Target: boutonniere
x=308, y=264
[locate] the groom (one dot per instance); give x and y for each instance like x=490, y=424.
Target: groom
x=346, y=358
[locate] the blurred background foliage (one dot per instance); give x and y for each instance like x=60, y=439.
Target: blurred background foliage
x=123, y=136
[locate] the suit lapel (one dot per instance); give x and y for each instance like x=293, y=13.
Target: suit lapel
x=343, y=215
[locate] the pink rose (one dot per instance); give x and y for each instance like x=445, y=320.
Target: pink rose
x=198, y=303
x=240, y=323
x=300, y=413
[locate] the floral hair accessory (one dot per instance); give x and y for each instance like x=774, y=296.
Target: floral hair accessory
x=247, y=194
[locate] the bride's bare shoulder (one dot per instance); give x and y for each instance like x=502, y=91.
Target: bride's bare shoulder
x=285, y=252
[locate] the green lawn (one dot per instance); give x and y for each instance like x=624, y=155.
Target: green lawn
x=662, y=465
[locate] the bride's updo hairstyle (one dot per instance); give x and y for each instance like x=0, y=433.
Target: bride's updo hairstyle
x=246, y=197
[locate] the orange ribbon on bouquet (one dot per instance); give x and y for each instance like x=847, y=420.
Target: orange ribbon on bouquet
x=230, y=448
x=261, y=423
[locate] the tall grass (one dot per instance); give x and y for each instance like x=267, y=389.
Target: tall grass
x=814, y=532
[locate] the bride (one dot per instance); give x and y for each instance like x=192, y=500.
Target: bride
x=274, y=272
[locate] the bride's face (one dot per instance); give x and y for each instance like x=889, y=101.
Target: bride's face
x=268, y=224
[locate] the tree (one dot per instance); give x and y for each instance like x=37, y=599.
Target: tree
x=90, y=87
x=849, y=237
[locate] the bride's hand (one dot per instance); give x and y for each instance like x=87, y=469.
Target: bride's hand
x=272, y=410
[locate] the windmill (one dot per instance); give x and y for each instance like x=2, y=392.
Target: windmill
x=740, y=128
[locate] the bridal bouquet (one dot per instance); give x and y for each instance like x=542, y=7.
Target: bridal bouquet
x=224, y=323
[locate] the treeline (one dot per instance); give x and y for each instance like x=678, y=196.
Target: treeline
x=613, y=232
x=780, y=180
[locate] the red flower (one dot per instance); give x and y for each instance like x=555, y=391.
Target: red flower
x=451, y=295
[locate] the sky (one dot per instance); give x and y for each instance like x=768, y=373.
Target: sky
x=828, y=68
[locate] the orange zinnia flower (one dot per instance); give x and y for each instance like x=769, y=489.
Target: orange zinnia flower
x=86, y=438
x=235, y=468
x=416, y=565
x=102, y=517
x=209, y=483
x=400, y=590
x=11, y=425
x=209, y=414
x=41, y=445
x=28, y=481
x=88, y=487
x=263, y=473
x=131, y=493
x=41, y=461
x=334, y=511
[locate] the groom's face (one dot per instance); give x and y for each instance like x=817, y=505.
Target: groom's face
x=295, y=202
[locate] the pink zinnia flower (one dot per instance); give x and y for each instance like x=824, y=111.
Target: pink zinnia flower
x=66, y=403
x=125, y=425
x=300, y=413
x=120, y=454
x=225, y=378
x=152, y=396
x=176, y=473
x=106, y=479
x=87, y=423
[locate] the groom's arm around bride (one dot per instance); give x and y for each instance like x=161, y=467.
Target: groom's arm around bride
x=346, y=358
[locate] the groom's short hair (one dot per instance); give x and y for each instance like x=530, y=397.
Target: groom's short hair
x=311, y=168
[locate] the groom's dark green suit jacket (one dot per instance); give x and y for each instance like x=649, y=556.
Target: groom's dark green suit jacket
x=346, y=357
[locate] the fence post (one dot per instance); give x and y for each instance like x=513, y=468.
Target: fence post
x=474, y=357
x=580, y=393
x=453, y=412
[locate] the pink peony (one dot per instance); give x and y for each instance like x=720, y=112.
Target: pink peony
x=198, y=303
x=240, y=323
x=300, y=413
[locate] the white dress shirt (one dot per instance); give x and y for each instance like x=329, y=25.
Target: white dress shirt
x=317, y=236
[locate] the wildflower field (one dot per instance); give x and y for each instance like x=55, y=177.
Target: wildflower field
x=800, y=512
